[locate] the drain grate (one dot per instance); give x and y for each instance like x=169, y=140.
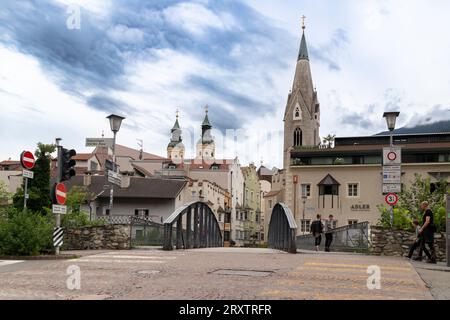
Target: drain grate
x=244, y=273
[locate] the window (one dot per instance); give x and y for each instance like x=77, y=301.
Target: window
x=353, y=190
x=242, y=216
x=107, y=212
x=257, y=218
x=141, y=212
x=251, y=196
x=352, y=222
x=297, y=112
x=94, y=166
x=226, y=236
x=220, y=217
x=298, y=137
x=237, y=215
x=306, y=190
x=270, y=204
x=305, y=225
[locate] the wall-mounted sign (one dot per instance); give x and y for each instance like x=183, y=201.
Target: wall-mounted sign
x=360, y=207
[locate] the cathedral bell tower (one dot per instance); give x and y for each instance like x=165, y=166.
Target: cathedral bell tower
x=302, y=113
x=175, y=148
x=205, y=146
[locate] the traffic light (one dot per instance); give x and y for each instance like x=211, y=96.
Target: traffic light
x=66, y=164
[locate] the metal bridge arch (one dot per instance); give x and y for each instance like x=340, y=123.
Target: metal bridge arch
x=282, y=229
x=193, y=225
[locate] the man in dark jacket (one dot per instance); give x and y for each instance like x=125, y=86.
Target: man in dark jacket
x=316, y=230
x=427, y=232
x=329, y=232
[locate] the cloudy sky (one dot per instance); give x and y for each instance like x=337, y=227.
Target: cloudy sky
x=143, y=59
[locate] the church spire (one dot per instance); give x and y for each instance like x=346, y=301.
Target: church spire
x=303, y=52
x=206, y=124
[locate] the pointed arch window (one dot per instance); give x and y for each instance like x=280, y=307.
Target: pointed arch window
x=298, y=137
x=297, y=112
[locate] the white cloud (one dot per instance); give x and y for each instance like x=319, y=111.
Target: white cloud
x=195, y=18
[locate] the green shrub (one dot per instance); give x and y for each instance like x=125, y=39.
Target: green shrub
x=78, y=220
x=25, y=233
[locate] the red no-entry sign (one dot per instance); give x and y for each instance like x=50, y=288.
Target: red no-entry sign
x=27, y=160
x=60, y=193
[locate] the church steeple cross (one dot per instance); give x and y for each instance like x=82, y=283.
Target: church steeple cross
x=303, y=22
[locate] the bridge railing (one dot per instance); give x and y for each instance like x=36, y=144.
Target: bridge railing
x=193, y=225
x=351, y=238
x=282, y=229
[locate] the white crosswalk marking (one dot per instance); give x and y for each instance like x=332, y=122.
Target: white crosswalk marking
x=9, y=262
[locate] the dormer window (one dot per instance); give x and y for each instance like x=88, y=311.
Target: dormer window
x=172, y=166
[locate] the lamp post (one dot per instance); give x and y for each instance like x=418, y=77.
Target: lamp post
x=304, y=197
x=115, y=122
x=391, y=119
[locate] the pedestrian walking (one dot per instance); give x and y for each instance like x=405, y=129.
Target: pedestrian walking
x=329, y=232
x=427, y=233
x=317, y=230
x=418, y=241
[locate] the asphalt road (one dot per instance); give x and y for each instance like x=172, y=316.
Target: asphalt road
x=222, y=273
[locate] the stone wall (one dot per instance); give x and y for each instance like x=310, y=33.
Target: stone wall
x=386, y=242
x=115, y=237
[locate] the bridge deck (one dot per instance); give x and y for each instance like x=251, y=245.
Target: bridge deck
x=214, y=273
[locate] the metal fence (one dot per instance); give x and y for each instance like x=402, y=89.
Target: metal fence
x=351, y=238
x=144, y=232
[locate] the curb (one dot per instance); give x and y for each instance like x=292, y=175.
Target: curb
x=40, y=258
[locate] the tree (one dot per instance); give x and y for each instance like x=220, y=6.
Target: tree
x=409, y=202
x=39, y=187
x=5, y=196
x=329, y=139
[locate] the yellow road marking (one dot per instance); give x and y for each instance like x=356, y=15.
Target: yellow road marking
x=358, y=266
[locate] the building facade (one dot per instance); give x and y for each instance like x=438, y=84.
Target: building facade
x=253, y=229
x=344, y=180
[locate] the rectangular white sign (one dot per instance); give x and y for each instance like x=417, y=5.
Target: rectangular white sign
x=28, y=174
x=392, y=156
x=392, y=187
x=57, y=209
x=99, y=142
x=115, y=178
x=392, y=174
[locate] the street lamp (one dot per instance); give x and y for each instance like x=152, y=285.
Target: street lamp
x=304, y=197
x=391, y=119
x=115, y=122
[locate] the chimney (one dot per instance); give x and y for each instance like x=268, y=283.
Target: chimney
x=87, y=180
x=126, y=181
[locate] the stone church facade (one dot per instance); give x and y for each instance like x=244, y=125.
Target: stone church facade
x=301, y=120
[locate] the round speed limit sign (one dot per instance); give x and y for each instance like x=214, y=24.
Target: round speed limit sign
x=391, y=199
